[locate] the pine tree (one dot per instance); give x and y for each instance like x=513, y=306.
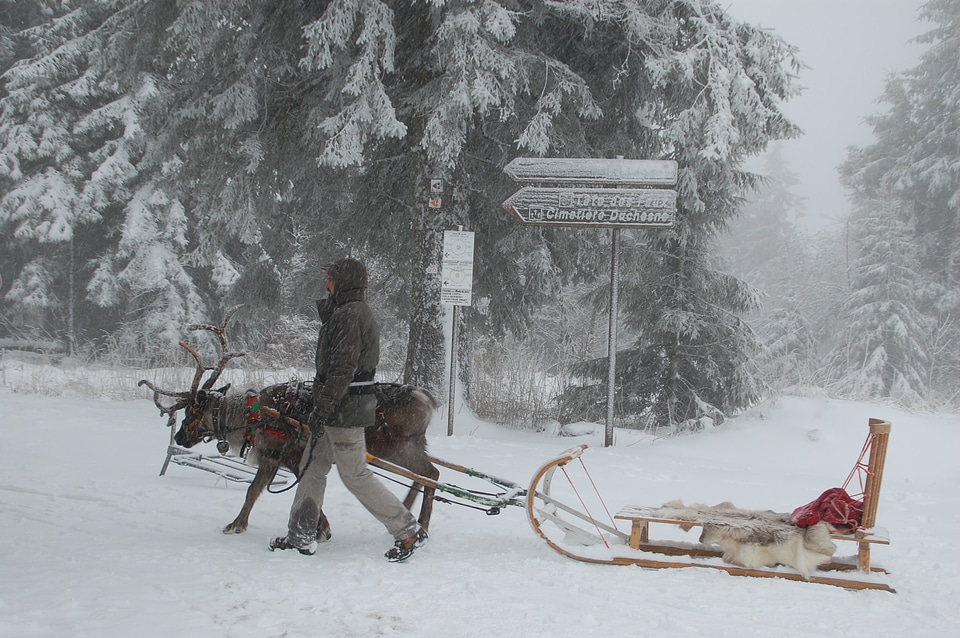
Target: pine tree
x=74, y=153
x=460, y=82
x=789, y=354
x=883, y=352
x=475, y=79
x=137, y=110
x=40, y=209
x=760, y=238
x=144, y=277
x=709, y=100
x=914, y=167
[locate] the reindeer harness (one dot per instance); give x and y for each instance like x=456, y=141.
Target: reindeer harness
x=254, y=421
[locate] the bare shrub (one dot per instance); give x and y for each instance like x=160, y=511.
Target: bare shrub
x=292, y=343
x=507, y=384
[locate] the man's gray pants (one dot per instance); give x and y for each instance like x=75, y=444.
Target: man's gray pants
x=348, y=449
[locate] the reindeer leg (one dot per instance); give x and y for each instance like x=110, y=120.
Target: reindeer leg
x=429, y=471
x=426, y=506
x=323, y=528
x=265, y=475
x=412, y=496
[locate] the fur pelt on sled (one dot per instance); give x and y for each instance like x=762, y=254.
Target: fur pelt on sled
x=753, y=538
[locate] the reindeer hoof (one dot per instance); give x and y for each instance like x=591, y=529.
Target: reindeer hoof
x=233, y=528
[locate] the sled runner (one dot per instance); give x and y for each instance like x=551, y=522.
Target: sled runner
x=576, y=533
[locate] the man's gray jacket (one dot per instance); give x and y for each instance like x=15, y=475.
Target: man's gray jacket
x=348, y=350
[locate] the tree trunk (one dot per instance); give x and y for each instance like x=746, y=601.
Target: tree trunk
x=672, y=349
x=71, y=302
x=424, y=364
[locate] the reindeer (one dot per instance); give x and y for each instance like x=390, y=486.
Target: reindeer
x=265, y=428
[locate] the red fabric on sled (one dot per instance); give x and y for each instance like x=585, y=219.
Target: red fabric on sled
x=834, y=506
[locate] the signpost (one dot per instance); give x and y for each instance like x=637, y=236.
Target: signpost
x=456, y=289
x=596, y=193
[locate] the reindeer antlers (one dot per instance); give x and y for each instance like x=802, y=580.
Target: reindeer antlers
x=189, y=397
x=184, y=400
x=220, y=332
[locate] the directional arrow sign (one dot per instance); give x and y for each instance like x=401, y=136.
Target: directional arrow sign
x=595, y=207
x=590, y=170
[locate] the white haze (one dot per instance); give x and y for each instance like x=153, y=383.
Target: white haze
x=849, y=47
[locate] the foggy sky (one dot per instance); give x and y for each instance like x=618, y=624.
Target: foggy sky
x=850, y=47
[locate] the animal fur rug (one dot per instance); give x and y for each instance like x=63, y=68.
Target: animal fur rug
x=753, y=538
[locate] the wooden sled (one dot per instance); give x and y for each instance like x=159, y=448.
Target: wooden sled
x=576, y=533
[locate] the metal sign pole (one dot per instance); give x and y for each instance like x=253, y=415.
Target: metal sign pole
x=453, y=368
x=612, y=334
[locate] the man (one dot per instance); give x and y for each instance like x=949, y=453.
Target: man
x=348, y=350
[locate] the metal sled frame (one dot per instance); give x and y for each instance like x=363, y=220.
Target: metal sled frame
x=492, y=503
x=230, y=468
x=576, y=534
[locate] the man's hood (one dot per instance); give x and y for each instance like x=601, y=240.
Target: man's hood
x=349, y=275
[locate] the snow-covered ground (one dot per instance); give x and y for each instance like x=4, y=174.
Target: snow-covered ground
x=95, y=543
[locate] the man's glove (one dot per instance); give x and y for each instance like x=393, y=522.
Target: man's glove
x=315, y=423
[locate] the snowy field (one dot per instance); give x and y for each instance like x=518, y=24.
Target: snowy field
x=95, y=543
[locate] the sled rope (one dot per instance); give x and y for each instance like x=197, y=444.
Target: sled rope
x=861, y=469
x=597, y=492
x=584, y=505
x=313, y=444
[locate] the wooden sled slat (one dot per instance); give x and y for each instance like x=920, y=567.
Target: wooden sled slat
x=877, y=535
x=853, y=582
x=705, y=551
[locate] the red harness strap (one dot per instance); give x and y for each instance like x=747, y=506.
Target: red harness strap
x=254, y=423
x=280, y=434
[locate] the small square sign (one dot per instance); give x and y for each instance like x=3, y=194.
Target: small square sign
x=435, y=202
x=436, y=185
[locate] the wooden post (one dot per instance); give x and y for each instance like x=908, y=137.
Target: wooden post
x=879, y=434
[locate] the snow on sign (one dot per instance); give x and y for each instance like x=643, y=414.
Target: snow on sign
x=597, y=207
x=591, y=170
x=456, y=277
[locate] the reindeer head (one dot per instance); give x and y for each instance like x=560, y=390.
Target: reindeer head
x=199, y=423
x=200, y=403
